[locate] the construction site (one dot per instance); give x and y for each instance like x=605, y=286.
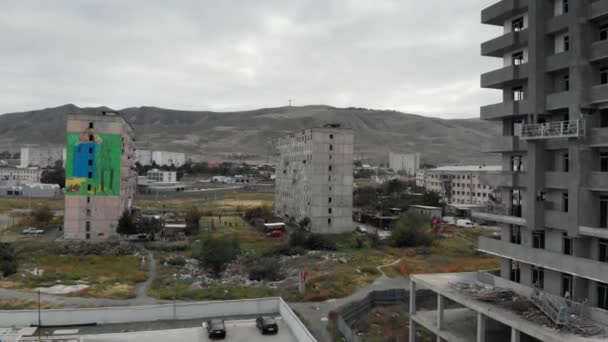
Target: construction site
x=483, y=307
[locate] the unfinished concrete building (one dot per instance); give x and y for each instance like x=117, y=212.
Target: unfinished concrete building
x=100, y=174
x=315, y=178
x=553, y=194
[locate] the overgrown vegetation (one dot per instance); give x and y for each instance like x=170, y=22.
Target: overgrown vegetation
x=217, y=252
x=8, y=260
x=411, y=231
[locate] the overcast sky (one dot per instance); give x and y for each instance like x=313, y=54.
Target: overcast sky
x=419, y=57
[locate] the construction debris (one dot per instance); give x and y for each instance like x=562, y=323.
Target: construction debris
x=538, y=309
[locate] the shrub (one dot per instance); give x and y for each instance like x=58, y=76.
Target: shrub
x=42, y=215
x=298, y=238
x=370, y=270
x=101, y=248
x=286, y=250
x=318, y=242
x=167, y=246
x=411, y=231
x=176, y=260
x=217, y=253
x=375, y=241
x=265, y=269
x=8, y=260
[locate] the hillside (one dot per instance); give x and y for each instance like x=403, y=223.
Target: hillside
x=214, y=135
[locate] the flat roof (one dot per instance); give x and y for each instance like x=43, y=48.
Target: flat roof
x=423, y=206
x=467, y=168
x=275, y=224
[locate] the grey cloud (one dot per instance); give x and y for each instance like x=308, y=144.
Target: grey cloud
x=414, y=56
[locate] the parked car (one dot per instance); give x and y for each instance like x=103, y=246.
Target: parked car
x=32, y=231
x=275, y=233
x=464, y=223
x=267, y=325
x=216, y=329
x=448, y=220
x=361, y=229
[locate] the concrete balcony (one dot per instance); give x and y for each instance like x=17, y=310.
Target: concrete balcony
x=598, y=181
x=556, y=219
x=599, y=94
x=503, y=110
x=499, y=214
x=580, y=267
x=504, y=144
x=556, y=24
x=598, y=9
x=498, y=13
x=600, y=233
x=559, y=100
x=507, y=76
x=599, y=51
x=558, y=61
x=598, y=137
x=498, y=47
x=504, y=179
x=556, y=180
x=554, y=130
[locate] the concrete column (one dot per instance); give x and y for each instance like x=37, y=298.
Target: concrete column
x=412, y=297
x=515, y=335
x=412, y=331
x=481, y=327
x=440, y=307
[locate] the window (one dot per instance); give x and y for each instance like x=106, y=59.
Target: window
x=88, y=212
x=566, y=43
x=518, y=94
x=89, y=187
x=603, y=251
x=517, y=24
x=565, y=7
x=88, y=199
x=604, y=76
x=88, y=226
x=90, y=175
x=515, y=233
x=329, y=167
x=331, y=147
x=515, y=271
x=565, y=202
x=518, y=58
x=567, y=285
x=329, y=221
x=331, y=136
x=88, y=236
x=604, y=211
x=566, y=162
x=567, y=243
x=329, y=210
x=538, y=277
x=602, y=296
x=90, y=162
x=90, y=125
x=538, y=239
x=329, y=200
x=516, y=203
x=516, y=163
x=90, y=150
x=604, y=32
x=91, y=137
x=604, y=161
x=567, y=83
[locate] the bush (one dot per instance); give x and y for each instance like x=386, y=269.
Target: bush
x=286, y=250
x=265, y=269
x=298, y=238
x=176, y=260
x=114, y=248
x=42, y=215
x=315, y=242
x=370, y=270
x=375, y=241
x=217, y=253
x=8, y=260
x=167, y=246
x=411, y=231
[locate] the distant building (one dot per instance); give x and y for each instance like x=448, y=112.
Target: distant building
x=31, y=190
x=42, y=157
x=315, y=178
x=19, y=176
x=143, y=157
x=420, y=178
x=161, y=176
x=100, y=175
x=160, y=158
x=462, y=184
x=407, y=163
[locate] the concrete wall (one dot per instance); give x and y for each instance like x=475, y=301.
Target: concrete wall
x=298, y=329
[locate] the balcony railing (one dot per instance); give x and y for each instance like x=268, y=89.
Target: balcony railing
x=553, y=130
x=500, y=213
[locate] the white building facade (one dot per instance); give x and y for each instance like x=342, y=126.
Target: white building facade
x=20, y=176
x=407, y=163
x=315, y=178
x=462, y=184
x=143, y=157
x=420, y=178
x=161, y=176
x=160, y=158
x=42, y=157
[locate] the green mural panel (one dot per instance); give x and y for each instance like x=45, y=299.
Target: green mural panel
x=92, y=165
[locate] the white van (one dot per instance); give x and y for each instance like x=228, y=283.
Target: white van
x=464, y=223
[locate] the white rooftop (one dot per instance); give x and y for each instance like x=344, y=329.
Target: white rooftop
x=468, y=168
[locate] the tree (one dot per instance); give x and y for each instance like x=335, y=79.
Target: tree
x=126, y=225
x=8, y=260
x=304, y=223
x=55, y=175
x=431, y=198
x=265, y=269
x=217, y=253
x=148, y=225
x=42, y=215
x=411, y=231
x=394, y=186
x=193, y=219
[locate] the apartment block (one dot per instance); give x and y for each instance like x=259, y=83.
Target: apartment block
x=315, y=178
x=41, y=156
x=143, y=157
x=462, y=184
x=9, y=175
x=553, y=190
x=161, y=176
x=100, y=174
x=407, y=163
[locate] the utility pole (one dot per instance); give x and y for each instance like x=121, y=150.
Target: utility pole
x=39, y=318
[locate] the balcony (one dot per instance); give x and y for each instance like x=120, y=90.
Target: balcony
x=599, y=51
x=556, y=180
x=559, y=23
x=500, y=78
x=597, y=232
x=556, y=219
x=599, y=94
x=598, y=181
x=498, y=213
x=498, y=13
x=557, y=101
x=504, y=144
x=554, y=130
x=504, y=179
x=598, y=9
x=558, y=61
x=503, y=110
x=598, y=137
x=498, y=47
x=580, y=267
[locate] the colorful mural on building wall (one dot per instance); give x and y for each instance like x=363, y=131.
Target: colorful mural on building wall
x=92, y=165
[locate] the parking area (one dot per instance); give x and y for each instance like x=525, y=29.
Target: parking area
x=237, y=331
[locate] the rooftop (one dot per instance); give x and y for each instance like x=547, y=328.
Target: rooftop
x=467, y=168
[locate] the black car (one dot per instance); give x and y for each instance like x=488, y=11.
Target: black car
x=216, y=329
x=267, y=325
